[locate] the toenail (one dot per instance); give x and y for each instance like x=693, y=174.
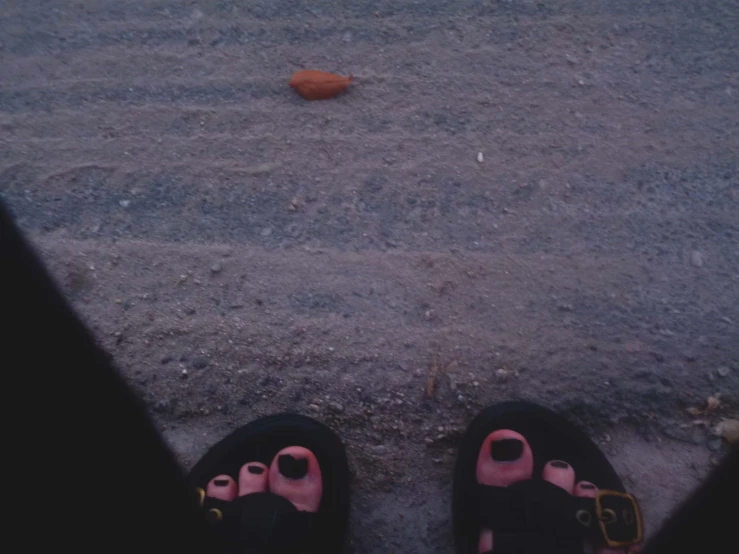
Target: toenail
x=506, y=450
x=221, y=482
x=586, y=486
x=559, y=465
x=256, y=470
x=292, y=467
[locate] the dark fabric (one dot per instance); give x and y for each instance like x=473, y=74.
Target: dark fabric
x=73, y=432
x=707, y=521
x=261, y=523
x=534, y=505
x=535, y=512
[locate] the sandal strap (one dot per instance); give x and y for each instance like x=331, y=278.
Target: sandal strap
x=535, y=515
x=261, y=523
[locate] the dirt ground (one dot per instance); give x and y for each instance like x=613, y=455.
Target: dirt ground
x=240, y=251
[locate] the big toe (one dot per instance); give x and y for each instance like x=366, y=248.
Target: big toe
x=504, y=458
x=296, y=475
x=253, y=478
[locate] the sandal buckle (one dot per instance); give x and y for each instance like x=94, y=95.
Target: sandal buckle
x=619, y=518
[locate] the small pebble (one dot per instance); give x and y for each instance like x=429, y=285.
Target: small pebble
x=336, y=407
x=480, y=157
x=200, y=362
x=314, y=407
x=696, y=258
x=723, y=371
x=124, y=203
x=184, y=373
x=267, y=231
x=216, y=268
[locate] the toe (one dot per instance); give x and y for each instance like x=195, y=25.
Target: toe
x=585, y=489
x=253, y=478
x=504, y=458
x=296, y=475
x=222, y=487
x=561, y=474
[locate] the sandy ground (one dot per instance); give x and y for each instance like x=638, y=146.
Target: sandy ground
x=240, y=251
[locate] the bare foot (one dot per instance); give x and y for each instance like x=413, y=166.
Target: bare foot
x=506, y=458
x=294, y=474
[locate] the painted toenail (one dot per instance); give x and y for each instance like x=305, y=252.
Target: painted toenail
x=506, y=450
x=292, y=467
x=559, y=465
x=221, y=482
x=256, y=470
x=586, y=486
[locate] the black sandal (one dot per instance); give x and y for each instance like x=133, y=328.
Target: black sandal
x=534, y=515
x=266, y=522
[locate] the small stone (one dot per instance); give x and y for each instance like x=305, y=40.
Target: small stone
x=565, y=308
x=314, y=407
x=460, y=398
x=183, y=373
x=475, y=384
x=189, y=310
x=200, y=362
x=124, y=203
x=728, y=429
x=216, y=268
x=336, y=407
x=696, y=258
x=267, y=231
x=480, y=157
x=723, y=371
x=502, y=375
